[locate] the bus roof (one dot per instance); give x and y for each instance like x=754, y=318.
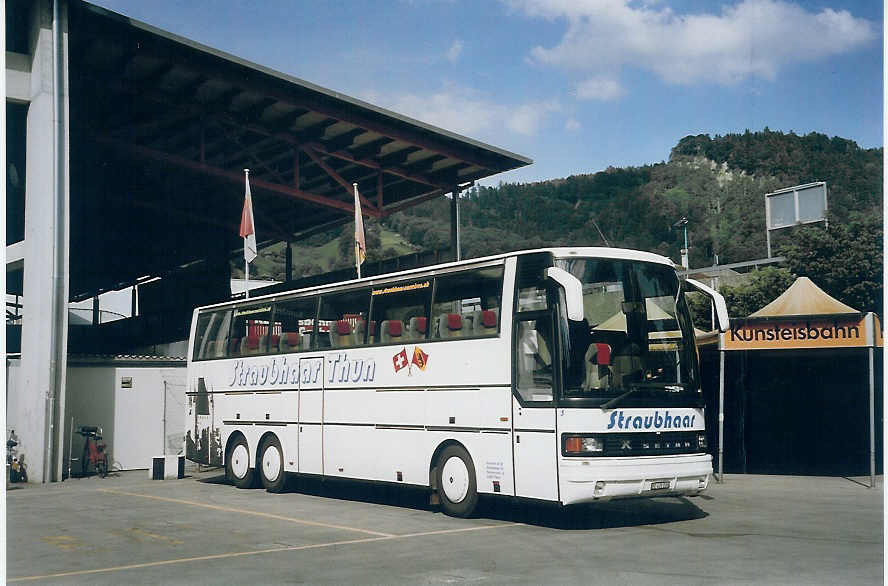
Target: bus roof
x=557, y=252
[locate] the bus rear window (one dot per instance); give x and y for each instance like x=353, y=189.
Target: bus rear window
x=210, y=337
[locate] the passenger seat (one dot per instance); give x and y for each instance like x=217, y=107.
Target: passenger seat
x=485, y=322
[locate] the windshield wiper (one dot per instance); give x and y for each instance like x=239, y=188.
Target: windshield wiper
x=637, y=387
x=616, y=400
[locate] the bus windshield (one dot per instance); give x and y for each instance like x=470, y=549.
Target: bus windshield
x=636, y=333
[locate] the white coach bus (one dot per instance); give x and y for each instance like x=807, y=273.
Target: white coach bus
x=563, y=374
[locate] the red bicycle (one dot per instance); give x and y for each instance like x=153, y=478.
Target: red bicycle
x=94, y=455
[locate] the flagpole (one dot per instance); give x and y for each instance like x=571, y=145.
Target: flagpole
x=357, y=216
x=246, y=262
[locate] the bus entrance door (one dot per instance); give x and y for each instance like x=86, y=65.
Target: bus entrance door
x=311, y=415
x=534, y=440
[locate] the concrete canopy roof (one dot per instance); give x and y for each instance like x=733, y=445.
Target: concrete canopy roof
x=161, y=129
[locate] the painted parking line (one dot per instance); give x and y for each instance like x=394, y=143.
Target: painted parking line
x=236, y=554
x=246, y=512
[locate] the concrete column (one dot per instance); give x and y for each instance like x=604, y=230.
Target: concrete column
x=45, y=319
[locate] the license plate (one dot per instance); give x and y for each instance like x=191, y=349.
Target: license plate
x=660, y=485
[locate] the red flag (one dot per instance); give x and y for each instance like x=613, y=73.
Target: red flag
x=400, y=359
x=247, y=229
x=420, y=358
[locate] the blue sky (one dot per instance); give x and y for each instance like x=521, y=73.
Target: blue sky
x=576, y=85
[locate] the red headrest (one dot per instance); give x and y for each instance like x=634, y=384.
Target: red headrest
x=343, y=327
x=275, y=339
x=421, y=324
x=292, y=338
x=252, y=342
x=372, y=328
x=394, y=327
x=488, y=319
x=454, y=321
x=603, y=354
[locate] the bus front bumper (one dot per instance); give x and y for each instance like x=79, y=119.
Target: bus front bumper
x=597, y=479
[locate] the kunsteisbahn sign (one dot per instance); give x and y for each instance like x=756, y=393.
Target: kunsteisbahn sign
x=851, y=331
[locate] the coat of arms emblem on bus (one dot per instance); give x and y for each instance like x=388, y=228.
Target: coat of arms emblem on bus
x=400, y=360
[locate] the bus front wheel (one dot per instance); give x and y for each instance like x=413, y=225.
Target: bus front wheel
x=457, y=488
x=237, y=465
x=271, y=469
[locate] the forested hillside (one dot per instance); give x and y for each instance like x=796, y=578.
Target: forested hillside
x=718, y=183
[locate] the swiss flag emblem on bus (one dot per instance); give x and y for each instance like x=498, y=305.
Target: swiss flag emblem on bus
x=400, y=359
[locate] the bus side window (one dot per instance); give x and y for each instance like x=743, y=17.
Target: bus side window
x=467, y=304
x=295, y=318
x=401, y=311
x=340, y=319
x=253, y=332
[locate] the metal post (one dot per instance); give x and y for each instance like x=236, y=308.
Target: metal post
x=288, y=262
x=454, y=224
x=721, y=415
x=872, y=421
x=70, y=446
x=165, y=415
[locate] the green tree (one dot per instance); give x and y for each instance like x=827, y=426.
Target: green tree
x=845, y=259
x=759, y=289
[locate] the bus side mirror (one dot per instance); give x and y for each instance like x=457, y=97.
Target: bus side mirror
x=573, y=291
x=721, y=308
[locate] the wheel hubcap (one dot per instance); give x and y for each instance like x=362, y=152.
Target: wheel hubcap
x=271, y=463
x=240, y=460
x=455, y=479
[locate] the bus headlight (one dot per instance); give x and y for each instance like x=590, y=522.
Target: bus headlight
x=701, y=441
x=578, y=445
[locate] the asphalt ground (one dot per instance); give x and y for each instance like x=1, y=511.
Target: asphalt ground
x=127, y=529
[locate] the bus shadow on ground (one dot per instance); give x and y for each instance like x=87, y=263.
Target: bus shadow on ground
x=604, y=515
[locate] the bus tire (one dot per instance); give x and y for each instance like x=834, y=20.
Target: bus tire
x=237, y=465
x=456, y=483
x=271, y=465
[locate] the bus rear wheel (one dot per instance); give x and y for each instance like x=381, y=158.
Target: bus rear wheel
x=237, y=465
x=456, y=484
x=271, y=465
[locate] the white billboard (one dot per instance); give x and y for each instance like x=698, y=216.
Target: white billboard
x=802, y=204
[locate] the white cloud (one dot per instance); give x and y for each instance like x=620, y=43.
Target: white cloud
x=573, y=125
x=467, y=111
x=599, y=88
x=752, y=38
x=454, y=51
